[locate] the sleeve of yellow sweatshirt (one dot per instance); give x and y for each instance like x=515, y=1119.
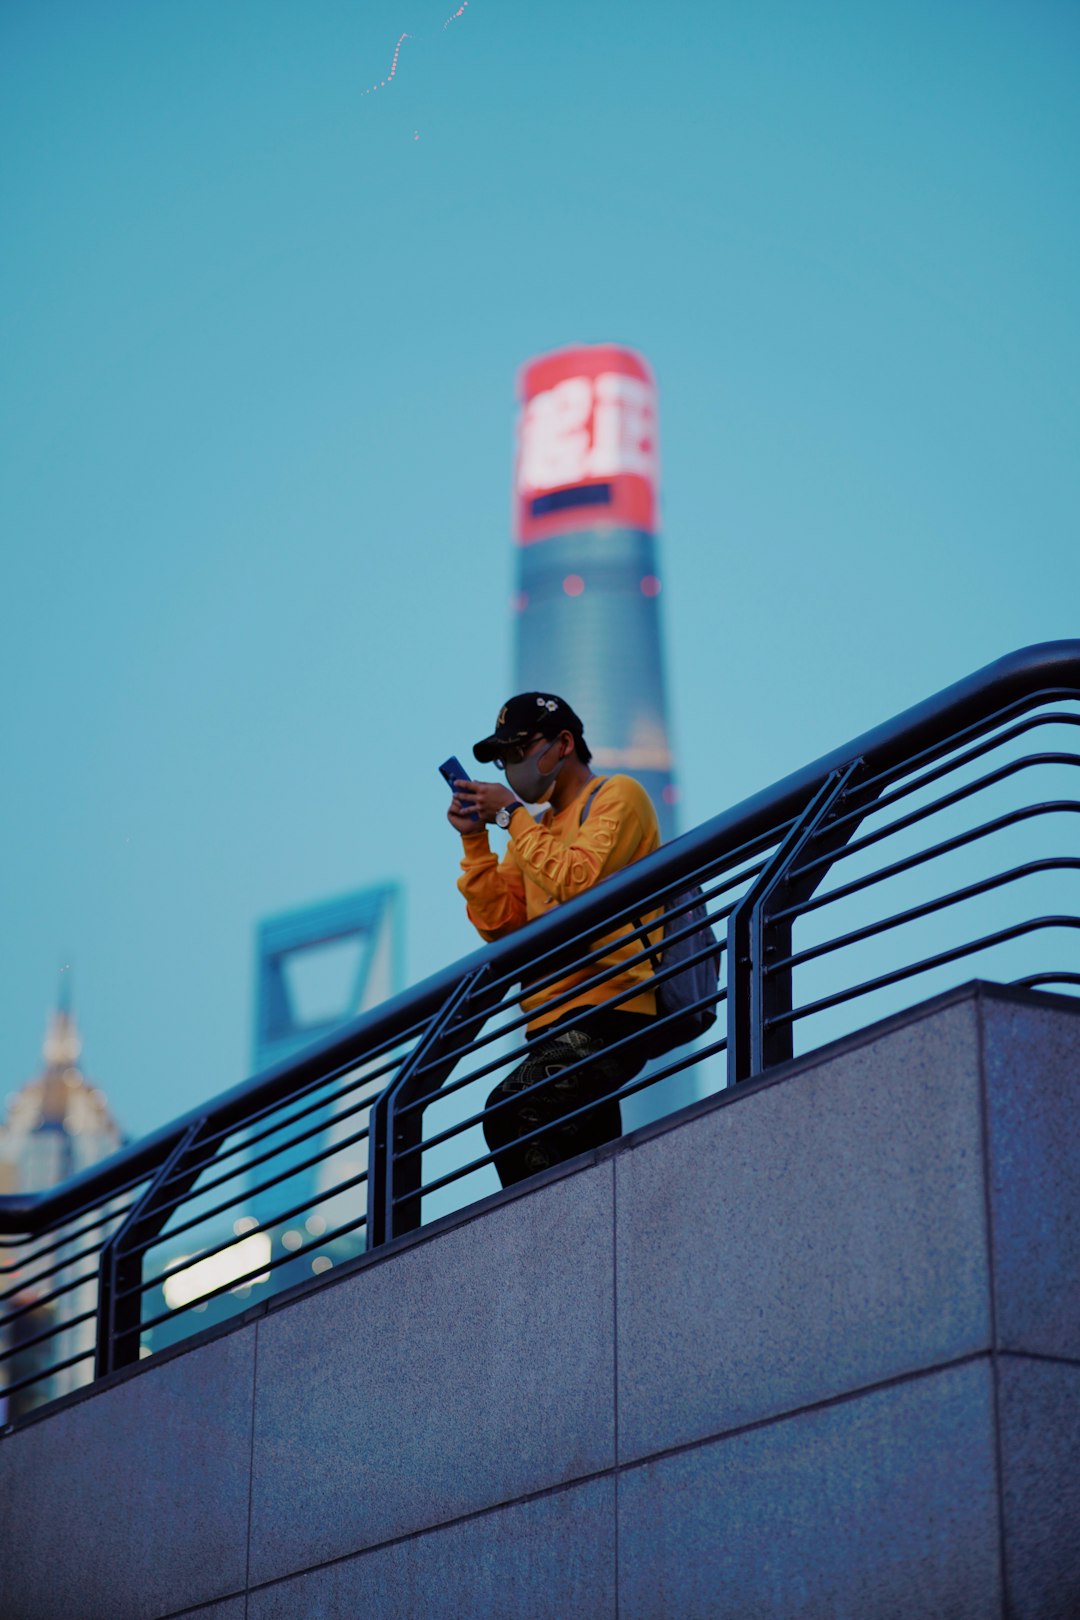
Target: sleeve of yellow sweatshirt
x=615, y=832
x=494, y=890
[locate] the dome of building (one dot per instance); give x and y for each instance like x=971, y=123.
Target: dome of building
x=59, y=1122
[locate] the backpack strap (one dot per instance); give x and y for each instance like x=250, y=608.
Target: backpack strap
x=587, y=806
x=645, y=940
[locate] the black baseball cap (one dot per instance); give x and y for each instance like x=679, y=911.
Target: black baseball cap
x=523, y=717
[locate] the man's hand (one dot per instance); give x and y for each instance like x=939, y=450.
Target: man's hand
x=461, y=818
x=483, y=798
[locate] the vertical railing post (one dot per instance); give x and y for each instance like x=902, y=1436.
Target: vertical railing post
x=119, y=1311
x=755, y=996
x=394, y=1204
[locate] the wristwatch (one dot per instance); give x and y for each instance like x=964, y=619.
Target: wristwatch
x=502, y=817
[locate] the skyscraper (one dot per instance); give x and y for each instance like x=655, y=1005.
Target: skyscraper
x=322, y=965
x=57, y=1124
x=317, y=968
x=585, y=523
x=586, y=516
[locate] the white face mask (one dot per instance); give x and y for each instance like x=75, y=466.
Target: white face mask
x=528, y=781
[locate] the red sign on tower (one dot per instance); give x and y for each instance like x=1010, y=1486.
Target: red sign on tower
x=587, y=453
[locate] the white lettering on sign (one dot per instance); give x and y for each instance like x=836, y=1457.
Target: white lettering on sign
x=585, y=428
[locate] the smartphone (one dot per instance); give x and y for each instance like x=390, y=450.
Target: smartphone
x=452, y=770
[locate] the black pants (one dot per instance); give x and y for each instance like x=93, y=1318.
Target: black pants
x=553, y=1051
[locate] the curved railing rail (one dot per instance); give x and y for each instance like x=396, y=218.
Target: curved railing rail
x=898, y=863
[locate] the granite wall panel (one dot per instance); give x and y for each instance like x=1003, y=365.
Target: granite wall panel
x=1032, y=1065
x=1040, y=1460
x=552, y=1558
x=467, y=1371
x=805, y=1239
x=879, y=1507
x=133, y=1504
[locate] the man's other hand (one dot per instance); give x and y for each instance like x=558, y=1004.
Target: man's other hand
x=481, y=799
x=462, y=819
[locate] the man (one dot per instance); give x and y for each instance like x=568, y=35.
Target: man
x=592, y=826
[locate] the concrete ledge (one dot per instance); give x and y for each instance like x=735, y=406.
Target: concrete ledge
x=811, y=1347
x=234, y=1608
x=552, y=1558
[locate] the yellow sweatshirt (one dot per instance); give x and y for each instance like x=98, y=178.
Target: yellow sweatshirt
x=554, y=859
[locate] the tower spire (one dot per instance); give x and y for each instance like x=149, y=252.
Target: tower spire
x=63, y=1042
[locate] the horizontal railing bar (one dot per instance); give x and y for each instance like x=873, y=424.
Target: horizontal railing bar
x=47, y=1299
x=987, y=942
x=506, y=1059
x=248, y=1165
x=49, y=1372
x=706, y=869
x=639, y=1084
x=389, y=1049
x=914, y=913
x=255, y=1273
x=966, y=791
x=634, y=1037
x=521, y=1020
x=954, y=762
x=947, y=846
x=570, y=995
x=535, y=987
x=49, y=1333
x=103, y=1214
x=1032, y=979
x=50, y=1271
x=283, y=1124
x=273, y=1087
x=571, y=963
x=57, y=1266
x=250, y=1195
x=944, y=746
x=321, y=1197
x=946, y=741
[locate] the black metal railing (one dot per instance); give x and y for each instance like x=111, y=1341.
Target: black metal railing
x=940, y=847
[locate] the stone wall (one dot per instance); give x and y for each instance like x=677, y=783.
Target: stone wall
x=808, y=1349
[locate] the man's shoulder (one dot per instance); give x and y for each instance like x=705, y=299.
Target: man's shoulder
x=628, y=793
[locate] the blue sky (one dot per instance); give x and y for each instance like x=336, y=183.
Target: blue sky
x=258, y=338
